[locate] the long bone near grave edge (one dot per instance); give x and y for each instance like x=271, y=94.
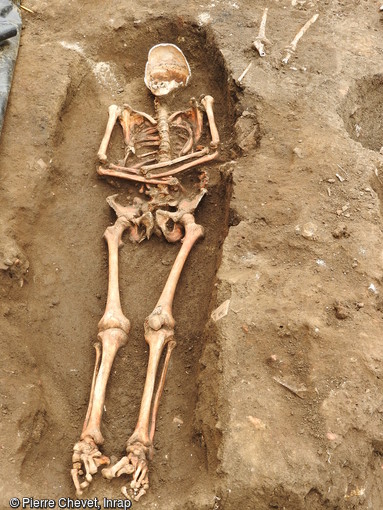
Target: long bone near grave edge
x=152, y=160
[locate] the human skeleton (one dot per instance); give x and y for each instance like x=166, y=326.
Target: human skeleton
x=169, y=211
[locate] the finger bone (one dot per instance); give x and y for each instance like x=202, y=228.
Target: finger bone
x=124, y=491
x=140, y=494
x=74, y=473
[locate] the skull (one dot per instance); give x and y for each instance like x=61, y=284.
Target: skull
x=166, y=69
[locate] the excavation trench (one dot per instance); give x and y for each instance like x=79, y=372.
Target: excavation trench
x=362, y=112
x=68, y=274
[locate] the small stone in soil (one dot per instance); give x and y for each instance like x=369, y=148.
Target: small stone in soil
x=341, y=231
x=341, y=310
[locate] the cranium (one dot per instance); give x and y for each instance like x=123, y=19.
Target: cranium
x=166, y=69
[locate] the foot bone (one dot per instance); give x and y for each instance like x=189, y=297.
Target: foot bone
x=86, y=456
x=134, y=463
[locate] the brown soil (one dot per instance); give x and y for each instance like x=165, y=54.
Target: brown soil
x=279, y=403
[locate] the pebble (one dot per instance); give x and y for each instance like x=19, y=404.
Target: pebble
x=249, y=260
x=341, y=310
x=221, y=311
x=117, y=23
x=331, y=436
x=298, y=152
x=372, y=288
x=341, y=231
x=41, y=163
x=309, y=230
x=257, y=423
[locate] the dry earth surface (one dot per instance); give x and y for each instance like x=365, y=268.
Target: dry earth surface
x=278, y=404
